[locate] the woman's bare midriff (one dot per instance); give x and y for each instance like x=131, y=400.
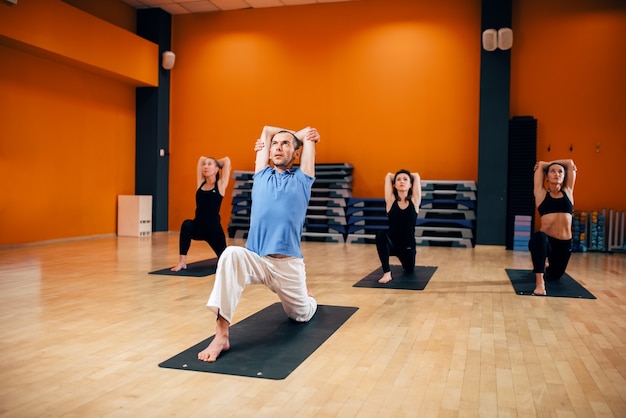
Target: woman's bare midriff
x=557, y=225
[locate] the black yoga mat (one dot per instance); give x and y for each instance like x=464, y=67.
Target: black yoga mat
x=196, y=269
x=267, y=344
x=417, y=280
x=523, y=282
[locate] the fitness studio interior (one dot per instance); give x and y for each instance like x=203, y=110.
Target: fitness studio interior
x=106, y=107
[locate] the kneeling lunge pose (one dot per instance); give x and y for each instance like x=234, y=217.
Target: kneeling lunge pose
x=403, y=195
x=272, y=255
x=551, y=246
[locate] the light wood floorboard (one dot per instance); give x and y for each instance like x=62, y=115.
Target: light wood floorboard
x=83, y=328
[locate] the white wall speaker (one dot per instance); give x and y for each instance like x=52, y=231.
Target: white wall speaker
x=505, y=38
x=490, y=39
x=168, y=60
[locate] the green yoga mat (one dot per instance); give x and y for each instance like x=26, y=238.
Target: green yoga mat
x=196, y=269
x=267, y=344
x=523, y=282
x=417, y=280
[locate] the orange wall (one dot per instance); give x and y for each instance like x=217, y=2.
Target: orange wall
x=67, y=149
x=387, y=87
x=113, y=11
x=389, y=84
x=568, y=70
x=67, y=120
x=64, y=33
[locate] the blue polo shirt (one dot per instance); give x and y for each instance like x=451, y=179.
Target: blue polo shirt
x=279, y=205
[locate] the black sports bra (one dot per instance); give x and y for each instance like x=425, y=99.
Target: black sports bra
x=552, y=205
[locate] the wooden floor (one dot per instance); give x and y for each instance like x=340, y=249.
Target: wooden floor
x=83, y=328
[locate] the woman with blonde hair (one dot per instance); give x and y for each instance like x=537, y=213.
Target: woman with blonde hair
x=206, y=226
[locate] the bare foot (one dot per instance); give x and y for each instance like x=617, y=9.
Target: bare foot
x=179, y=267
x=540, y=285
x=220, y=343
x=182, y=263
x=213, y=351
x=386, y=278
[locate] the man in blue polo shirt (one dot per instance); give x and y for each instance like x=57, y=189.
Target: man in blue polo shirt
x=272, y=255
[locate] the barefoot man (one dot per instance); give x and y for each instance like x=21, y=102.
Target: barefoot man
x=272, y=255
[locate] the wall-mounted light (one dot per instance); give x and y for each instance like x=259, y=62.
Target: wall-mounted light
x=167, y=60
x=494, y=39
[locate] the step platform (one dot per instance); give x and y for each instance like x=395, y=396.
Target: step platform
x=444, y=242
x=456, y=185
x=443, y=232
x=448, y=204
x=331, y=193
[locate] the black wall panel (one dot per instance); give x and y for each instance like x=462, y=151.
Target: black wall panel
x=522, y=159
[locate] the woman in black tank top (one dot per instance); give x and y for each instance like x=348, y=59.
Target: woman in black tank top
x=551, y=246
x=403, y=194
x=206, y=225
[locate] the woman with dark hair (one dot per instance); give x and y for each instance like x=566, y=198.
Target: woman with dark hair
x=206, y=226
x=403, y=194
x=551, y=246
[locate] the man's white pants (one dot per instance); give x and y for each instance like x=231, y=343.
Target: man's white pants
x=239, y=267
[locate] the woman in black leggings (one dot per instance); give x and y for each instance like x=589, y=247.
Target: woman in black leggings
x=551, y=246
x=403, y=194
x=206, y=226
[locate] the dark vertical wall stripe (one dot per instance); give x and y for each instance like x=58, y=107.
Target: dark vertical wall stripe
x=522, y=158
x=153, y=119
x=493, y=127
